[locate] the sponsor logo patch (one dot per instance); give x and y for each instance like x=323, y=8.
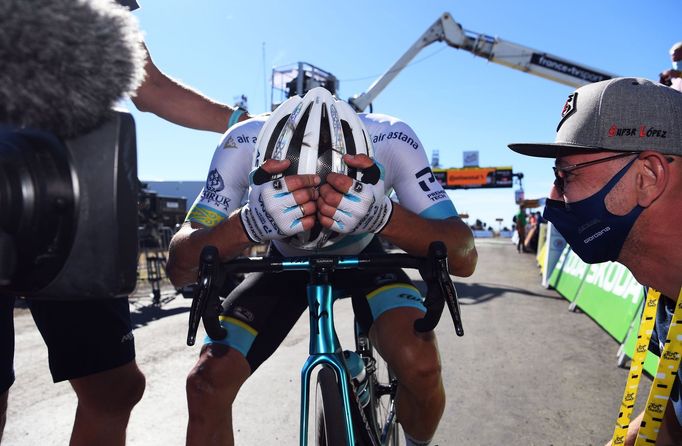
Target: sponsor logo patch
x=404, y=137
x=230, y=143
x=215, y=182
x=569, y=108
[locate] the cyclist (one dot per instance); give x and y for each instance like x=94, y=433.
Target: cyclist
x=300, y=214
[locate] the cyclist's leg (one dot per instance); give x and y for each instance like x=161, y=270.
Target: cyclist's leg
x=212, y=386
x=414, y=358
x=90, y=343
x=258, y=315
x=389, y=303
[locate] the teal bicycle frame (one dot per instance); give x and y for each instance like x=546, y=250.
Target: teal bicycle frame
x=325, y=348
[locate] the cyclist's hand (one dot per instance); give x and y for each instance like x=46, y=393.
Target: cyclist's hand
x=281, y=207
x=349, y=206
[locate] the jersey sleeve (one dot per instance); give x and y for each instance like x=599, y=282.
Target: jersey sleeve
x=228, y=175
x=407, y=168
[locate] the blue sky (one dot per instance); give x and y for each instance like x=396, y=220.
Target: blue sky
x=455, y=101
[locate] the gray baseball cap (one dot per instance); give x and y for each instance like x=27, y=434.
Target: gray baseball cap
x=622, y=114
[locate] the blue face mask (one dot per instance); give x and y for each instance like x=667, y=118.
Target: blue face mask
x=594, y=233
x=676, y=65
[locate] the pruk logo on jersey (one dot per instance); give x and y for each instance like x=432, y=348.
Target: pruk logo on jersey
x=215, y=182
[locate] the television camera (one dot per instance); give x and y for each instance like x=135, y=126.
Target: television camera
x=68, y=220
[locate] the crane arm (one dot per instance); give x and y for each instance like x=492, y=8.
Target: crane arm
x=512, y=55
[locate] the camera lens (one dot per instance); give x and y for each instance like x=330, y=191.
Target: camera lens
x=37, y=204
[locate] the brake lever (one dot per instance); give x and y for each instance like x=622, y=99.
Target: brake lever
x=440, y=290
x=449, y=293
x=206, y=292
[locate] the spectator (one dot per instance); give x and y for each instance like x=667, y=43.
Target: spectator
x=521, y=222
x=625, y=136
x=673, y=77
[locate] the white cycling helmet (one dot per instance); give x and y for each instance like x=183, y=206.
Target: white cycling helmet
x=314, y=132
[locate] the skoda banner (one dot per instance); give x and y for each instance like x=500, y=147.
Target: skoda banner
x=611, y=296
x=568, y=274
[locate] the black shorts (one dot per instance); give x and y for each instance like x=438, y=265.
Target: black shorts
x=82, y=337
x=6, y=342
x=261, y=311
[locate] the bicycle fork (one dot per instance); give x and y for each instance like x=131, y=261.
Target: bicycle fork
x=325, y=349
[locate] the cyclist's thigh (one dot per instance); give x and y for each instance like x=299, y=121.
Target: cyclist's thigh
x=260, y=312
x=376, y=292
x=6, y=343
x=84, y=337
x=404, y=348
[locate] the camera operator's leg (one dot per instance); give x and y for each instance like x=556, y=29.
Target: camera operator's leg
x=6, y=355
x=91, y=344
x=105, y=401
x=414, y=358
x=3, y=411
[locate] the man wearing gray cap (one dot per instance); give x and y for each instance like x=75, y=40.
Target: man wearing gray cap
x=616, y=195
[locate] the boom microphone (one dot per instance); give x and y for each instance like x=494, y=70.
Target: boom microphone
x=65, y=63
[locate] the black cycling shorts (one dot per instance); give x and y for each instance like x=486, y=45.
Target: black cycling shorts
x=82, y=337
x=261, y=311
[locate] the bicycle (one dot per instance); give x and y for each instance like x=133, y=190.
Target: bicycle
x=340, y=416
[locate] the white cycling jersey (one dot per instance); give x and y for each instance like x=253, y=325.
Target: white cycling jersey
x=396, y=147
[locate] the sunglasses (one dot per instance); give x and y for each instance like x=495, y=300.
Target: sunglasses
x=560, y=173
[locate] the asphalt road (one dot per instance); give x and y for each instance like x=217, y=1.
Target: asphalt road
x=527, y=371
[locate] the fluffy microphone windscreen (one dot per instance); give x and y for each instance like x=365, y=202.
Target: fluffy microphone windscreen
x=65, y=63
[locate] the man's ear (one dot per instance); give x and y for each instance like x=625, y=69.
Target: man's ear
x=653, y=176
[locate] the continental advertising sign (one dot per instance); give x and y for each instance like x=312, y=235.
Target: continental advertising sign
x=474, y=177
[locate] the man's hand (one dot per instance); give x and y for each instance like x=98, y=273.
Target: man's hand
x=666, y=77
x=349, y=206
x=281, y=207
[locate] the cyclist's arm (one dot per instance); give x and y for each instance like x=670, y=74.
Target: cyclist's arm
x=413, y=234
x=183, y=254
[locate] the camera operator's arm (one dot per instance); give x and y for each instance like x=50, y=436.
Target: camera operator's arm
x=276, y=209
x=179, y=104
